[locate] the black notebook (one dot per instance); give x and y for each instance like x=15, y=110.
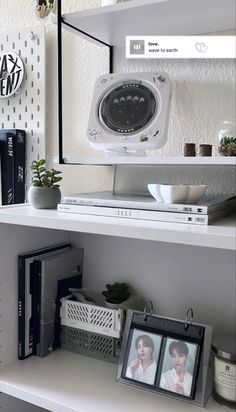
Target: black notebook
x=47, y=272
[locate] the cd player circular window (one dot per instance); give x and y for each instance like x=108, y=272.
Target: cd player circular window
x=128, y=108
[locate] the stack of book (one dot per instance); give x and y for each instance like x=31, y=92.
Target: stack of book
x=12, y=154
x=45, y=276
x=206, y=211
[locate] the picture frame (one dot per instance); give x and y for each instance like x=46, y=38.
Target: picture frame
x=165, y=333
x=179, y=367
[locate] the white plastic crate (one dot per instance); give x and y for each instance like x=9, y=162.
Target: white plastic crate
x=92, y=318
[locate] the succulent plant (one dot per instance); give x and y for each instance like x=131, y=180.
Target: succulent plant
x=116, y=292
x=41, y=177
x=228, y=146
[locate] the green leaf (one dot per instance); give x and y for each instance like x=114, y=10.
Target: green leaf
x=37, y=184
x=57, y=179
x=56, y=172
x=41, y=162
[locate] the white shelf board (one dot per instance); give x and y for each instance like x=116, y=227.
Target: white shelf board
x=154, y=17
x=171, y=160
x=68, y=382
x=221, y=235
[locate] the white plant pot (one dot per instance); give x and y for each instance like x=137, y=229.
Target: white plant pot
x=108, y=2
x=44, y=197
x=133, y=302
x=110, y=305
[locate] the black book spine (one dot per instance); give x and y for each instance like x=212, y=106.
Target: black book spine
x=21, y=307
x=36, y=303
x=19, y=166
x=7, y=167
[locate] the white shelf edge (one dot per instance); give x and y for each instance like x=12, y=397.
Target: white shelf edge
x=149, y=17
x=66, y=382
x=171, y=160
x=220, y=235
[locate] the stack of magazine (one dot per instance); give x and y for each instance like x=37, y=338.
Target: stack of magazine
x=209, y=209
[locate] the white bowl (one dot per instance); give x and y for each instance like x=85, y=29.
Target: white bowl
x=195, y=192
x=155, y=191
x=174, y=193
x=177, y=193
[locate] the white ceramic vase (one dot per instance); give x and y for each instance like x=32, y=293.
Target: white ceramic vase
x=227, y=129
x=44, y=197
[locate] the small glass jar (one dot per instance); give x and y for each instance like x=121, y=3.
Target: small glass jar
x=227, y=139
x=190, y=149
x=224, y=380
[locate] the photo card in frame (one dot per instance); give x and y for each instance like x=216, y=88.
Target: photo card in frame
x=143, y=356
x=179, y=366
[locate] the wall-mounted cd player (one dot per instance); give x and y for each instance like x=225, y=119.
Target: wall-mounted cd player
x=130, y=112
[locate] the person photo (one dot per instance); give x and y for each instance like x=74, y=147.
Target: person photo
x=143, y=356
x=178, y=367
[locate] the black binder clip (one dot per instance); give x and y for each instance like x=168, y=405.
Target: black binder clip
x=188, y=319
x=145, y=316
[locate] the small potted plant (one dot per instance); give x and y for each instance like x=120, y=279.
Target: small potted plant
x=227, y=146
x=116, y=294
x=44, y=192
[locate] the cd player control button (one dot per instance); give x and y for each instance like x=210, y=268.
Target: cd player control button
x=93, y=133
x=103, y=81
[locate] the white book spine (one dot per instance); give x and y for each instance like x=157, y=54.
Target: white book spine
x=135, y=214
x=167, y=207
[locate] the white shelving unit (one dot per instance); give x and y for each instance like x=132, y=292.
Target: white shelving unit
x=181, y=264
x=172, y=160
x=219, y=235
x=152, y=17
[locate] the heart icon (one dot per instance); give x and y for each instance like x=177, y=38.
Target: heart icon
x=201, y=47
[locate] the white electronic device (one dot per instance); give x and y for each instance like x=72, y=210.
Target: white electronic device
x=130, y=112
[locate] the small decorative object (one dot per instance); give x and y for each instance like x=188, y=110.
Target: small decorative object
x=228, y=146
x=190, y=149
x=224, y=389
x=227, y=139
x=205, y=150
x=44, y=192
x=177, y=193
x=116, y=294
x=44, y=7
x=11, y=74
